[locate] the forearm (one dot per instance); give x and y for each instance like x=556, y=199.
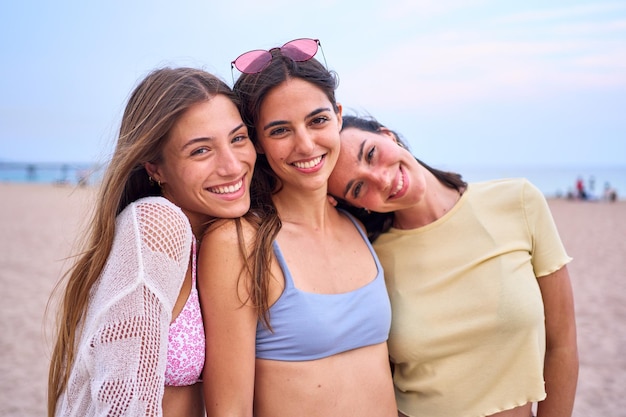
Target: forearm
x=561, y=376
x=561, y=359
x=227, y=399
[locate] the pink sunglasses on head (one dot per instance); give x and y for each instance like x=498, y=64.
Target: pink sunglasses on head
x=299, y=50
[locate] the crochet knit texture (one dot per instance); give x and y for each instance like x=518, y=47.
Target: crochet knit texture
x=122, y=350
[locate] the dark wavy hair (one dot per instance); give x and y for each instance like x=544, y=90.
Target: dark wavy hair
x=252, y=90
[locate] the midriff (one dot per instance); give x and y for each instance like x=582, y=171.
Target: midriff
x=353, y=383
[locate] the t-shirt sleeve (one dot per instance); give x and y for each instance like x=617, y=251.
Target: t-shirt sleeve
x=548, y=253
x=144, y=274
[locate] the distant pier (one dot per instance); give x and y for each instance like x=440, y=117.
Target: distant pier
x=50, y=172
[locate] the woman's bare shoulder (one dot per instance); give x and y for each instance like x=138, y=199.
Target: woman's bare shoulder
x=229, y=233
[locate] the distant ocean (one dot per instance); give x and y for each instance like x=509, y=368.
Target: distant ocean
x=555, y=181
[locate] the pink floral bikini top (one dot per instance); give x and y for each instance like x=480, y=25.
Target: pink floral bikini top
x=186, y=343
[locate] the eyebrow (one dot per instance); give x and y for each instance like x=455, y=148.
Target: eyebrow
x=359, y=156
x=308, y=116
x=208, y=139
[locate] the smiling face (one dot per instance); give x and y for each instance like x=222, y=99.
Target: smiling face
x=207, y=162
x=375, y=173
x=298, y=131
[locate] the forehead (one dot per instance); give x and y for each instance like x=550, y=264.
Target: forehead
x=292, y=95
x=352, y=144
x=206, y=118
x=348, y=166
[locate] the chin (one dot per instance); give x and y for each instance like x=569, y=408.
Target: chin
x=237, y=210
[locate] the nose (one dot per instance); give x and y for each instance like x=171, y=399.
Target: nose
x=381, y=178
x=304, y=142
x=228, y=163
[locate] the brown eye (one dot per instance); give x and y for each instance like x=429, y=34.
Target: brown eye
x=319, y=120
x=278, y=131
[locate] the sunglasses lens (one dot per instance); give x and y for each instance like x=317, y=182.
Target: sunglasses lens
x=253, y=61
x=300, y=49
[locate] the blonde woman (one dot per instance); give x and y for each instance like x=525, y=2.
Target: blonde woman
x=130, y=338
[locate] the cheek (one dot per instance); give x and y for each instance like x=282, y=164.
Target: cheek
x=190, y=177
x=187, y=171
x=248, y=155
x=333, y=141
x=275, y=152
x=370, y=200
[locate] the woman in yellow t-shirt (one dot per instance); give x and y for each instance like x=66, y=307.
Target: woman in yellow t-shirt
x=482, y=307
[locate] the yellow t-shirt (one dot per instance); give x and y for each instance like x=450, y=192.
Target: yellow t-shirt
x=467, y=335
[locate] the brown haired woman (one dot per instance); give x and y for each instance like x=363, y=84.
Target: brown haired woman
x=131, y=338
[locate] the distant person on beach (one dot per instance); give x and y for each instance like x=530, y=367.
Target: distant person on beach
x=591, y=189
x=293, y=296
x=482, y=306
x=31, y=172
x=610, y=193
x=131, y=338
x=580, y=189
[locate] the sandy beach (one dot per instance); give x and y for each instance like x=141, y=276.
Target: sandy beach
x=39, y=224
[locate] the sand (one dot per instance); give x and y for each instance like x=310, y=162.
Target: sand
x=39, y=224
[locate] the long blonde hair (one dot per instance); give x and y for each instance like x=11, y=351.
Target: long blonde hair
x=153, y=108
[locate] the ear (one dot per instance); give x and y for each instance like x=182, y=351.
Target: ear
x=340, y=115
x=153, y=170
x=386, y=132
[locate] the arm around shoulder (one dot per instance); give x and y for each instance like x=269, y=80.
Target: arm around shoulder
x=229, y=319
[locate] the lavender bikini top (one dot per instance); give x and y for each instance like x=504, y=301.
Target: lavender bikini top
x=308, y=326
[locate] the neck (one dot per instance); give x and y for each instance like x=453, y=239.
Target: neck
x=308, y=210
x=437, y=202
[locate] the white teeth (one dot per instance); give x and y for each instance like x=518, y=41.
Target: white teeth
x=308, y=164
x=227, y=189
x=399, y=185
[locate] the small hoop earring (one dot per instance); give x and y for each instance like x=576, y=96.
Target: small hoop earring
x=152, y=182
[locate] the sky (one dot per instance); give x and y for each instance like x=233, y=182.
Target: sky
x=465, y=82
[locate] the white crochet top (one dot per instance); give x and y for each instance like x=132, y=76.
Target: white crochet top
x=119, y=369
